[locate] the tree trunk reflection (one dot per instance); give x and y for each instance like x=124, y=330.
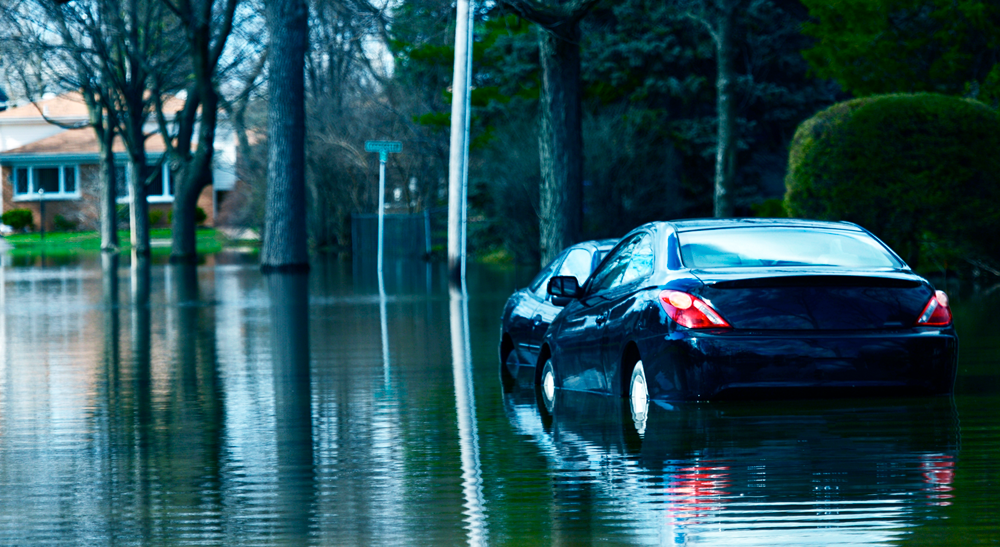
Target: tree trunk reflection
x=296, y=488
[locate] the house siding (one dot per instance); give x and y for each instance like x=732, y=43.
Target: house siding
x=81, y=211
x=84, y=211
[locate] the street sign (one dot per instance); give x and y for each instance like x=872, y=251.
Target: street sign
x=383, y=146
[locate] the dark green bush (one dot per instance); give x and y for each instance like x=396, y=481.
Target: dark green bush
x=770, y=208
x=155, y=217
x=920, y=171
x=18, y=219
x=63, y=224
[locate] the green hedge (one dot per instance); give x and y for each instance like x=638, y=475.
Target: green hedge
x=920, y=171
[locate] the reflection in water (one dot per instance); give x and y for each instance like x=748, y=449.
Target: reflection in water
x=465, y=406
x=798, y=473
x=383, y=323
x=289, y=309
x=217, y=406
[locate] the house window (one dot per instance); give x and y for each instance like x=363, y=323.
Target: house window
x=57, y=181
x=160, y=189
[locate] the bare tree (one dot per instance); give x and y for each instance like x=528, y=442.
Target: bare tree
x=340, y=84
x=719, y=19
x=560, y=136
x=207, y=26
x=39, y=40
x=112, y=52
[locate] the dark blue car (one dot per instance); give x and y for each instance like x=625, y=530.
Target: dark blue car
x=705, y=309
x=529, y=311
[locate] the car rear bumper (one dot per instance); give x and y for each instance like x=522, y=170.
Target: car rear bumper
x=699, y=365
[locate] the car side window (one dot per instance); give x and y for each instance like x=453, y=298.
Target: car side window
x=539, y=285
x=614, y=266
x=641, y=263
x=577, y=264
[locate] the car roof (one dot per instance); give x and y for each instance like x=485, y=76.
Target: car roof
x=689, y=225
x=595, y=243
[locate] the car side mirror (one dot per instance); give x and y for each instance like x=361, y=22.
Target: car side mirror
x=564, y=289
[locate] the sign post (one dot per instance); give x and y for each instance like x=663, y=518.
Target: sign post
x=383, y=148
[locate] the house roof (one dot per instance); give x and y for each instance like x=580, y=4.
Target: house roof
x=75, y=143
x=71, y=106
x=68, y=105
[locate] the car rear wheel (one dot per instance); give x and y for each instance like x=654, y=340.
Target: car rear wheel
x=638, y=395
x=507, y=367
x=547, y=384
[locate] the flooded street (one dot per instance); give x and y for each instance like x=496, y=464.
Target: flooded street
x=234, y=408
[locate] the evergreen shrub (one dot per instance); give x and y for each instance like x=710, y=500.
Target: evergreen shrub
x=918, y=170
x=18, y=219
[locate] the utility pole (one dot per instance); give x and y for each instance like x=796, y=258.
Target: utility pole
x=458, y=164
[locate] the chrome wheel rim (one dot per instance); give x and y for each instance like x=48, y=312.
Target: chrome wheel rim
x=638, y=393
x=548, y=386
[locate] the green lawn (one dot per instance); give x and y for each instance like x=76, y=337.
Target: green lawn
x=208, y=241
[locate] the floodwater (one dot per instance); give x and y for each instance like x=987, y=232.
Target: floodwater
x=167, y=405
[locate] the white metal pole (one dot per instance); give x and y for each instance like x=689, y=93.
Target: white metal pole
x=382, y=157
x=458, y=153
x=465, y=159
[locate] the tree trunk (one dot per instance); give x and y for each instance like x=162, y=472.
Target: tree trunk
x=108, y=208
x=190, y=181
x=285, y=246
x=193, y=175
x=139, y=208
x=725, y=154
x=560, y=140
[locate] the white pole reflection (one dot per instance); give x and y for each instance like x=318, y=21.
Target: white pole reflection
x=384, y=324
x=465, y=406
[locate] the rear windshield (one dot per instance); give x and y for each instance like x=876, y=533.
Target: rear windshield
x=776, y=246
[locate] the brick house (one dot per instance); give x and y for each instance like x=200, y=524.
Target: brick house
x=43, y=161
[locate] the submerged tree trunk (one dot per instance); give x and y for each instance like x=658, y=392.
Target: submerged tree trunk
x=285, y=246
x=190, y=180
x=139, y=208
x=560, y=140
x=104, y=125
x=108, y=193
x=193, y=174
x=725, y=153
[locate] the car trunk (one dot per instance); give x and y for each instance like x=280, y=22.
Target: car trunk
x=815, y=300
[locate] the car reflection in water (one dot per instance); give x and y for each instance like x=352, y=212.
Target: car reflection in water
x=529, y=311
x=739, y=473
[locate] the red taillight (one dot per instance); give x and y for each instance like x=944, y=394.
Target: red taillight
x=936, y=312
x=690, y=311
